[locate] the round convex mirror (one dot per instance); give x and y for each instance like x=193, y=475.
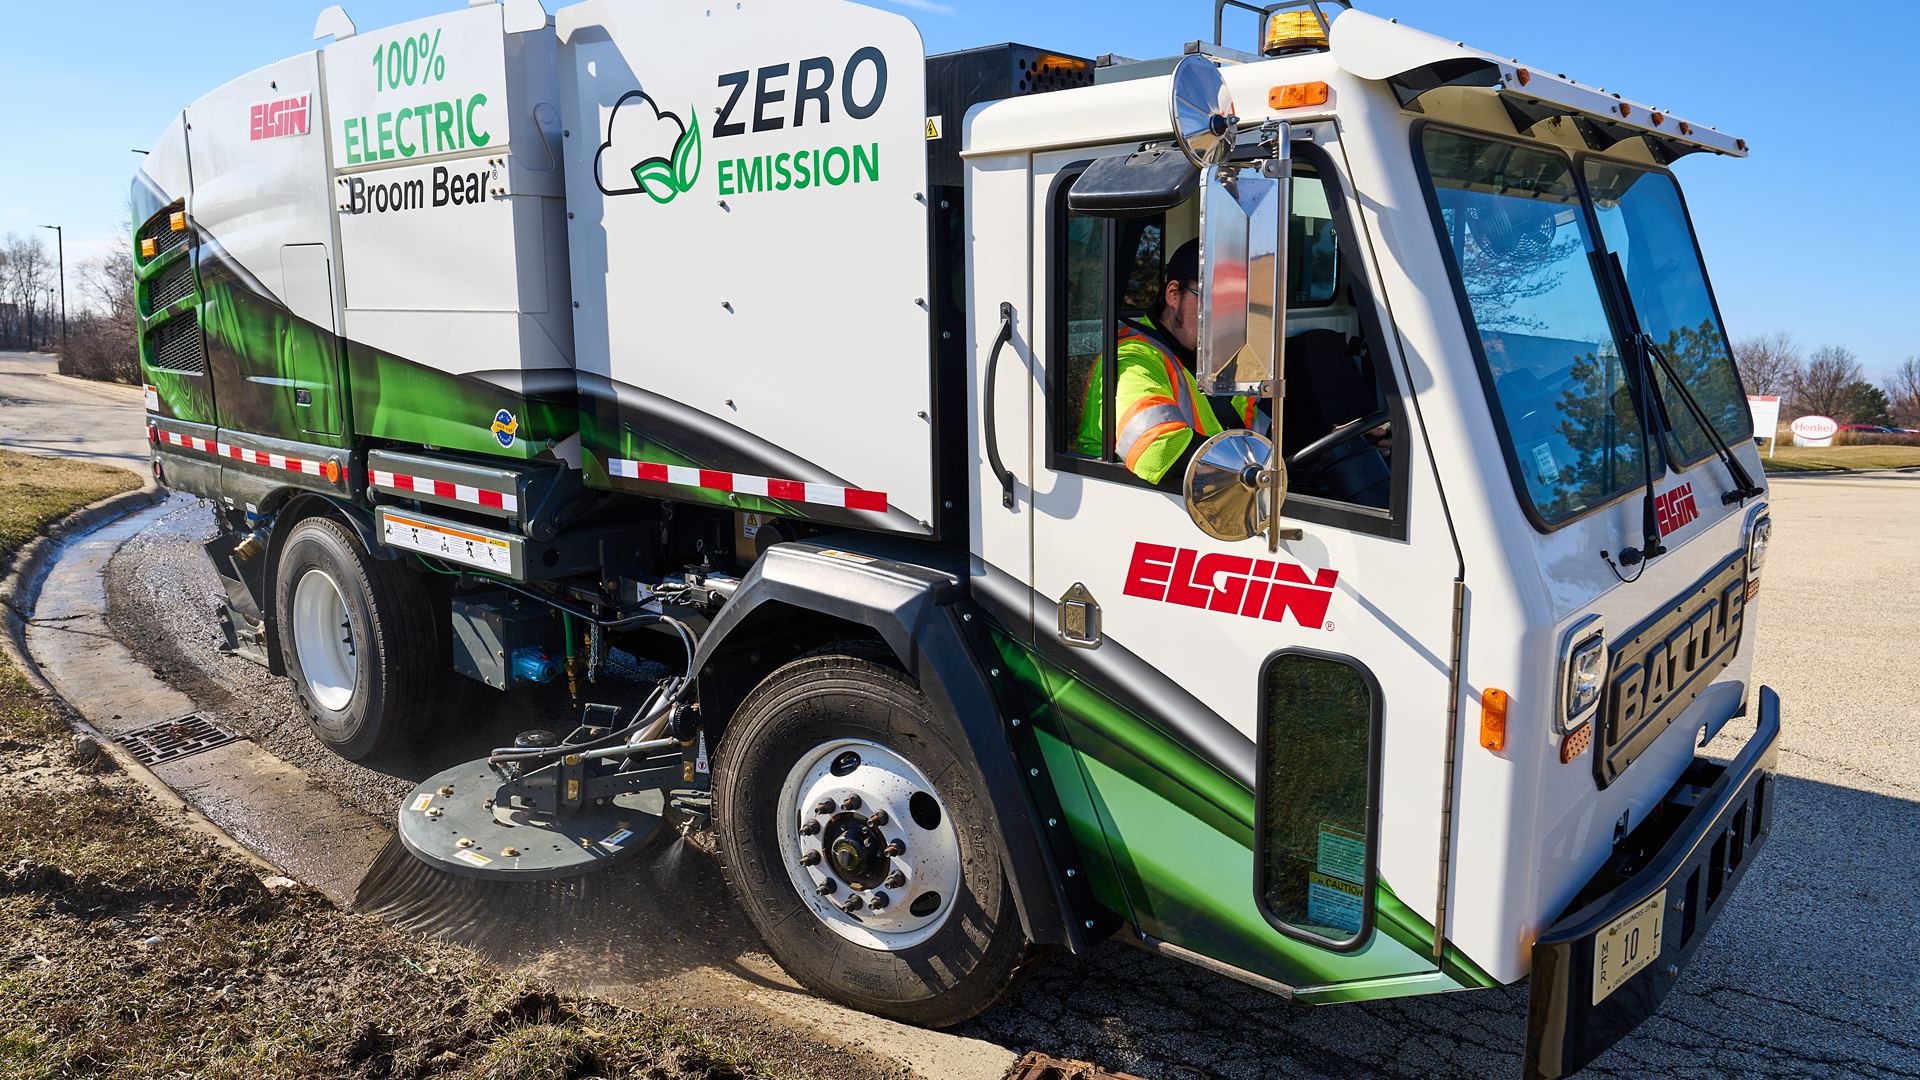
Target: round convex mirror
x=1225, y=495
x=1203, y=118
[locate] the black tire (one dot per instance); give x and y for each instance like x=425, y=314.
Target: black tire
x=374, y=706
x=976, y=955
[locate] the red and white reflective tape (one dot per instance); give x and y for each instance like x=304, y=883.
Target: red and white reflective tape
x=420, y=485
x=328, y=470
x=740, y=483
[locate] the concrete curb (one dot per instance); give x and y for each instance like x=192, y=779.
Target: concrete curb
x=21, y=588
x=21, y=585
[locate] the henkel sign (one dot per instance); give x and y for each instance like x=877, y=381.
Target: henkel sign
x=1233, y=584
x=1675, y=509
x=1814, y=430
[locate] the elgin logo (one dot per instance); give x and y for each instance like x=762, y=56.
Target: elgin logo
x=277, y=119
x=1235, y=584
x=1674, y=509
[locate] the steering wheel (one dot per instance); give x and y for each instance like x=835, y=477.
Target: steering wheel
x=1337, y=436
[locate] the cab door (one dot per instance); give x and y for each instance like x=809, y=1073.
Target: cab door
x=1252, y=743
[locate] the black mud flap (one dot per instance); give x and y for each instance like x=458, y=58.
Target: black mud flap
x=1608, y=963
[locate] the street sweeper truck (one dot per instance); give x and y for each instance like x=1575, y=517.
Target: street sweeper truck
x=1286, y=506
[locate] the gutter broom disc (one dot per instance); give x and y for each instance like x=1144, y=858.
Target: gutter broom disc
x=451, y=823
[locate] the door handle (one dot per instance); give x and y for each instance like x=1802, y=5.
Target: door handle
x=1000, y=470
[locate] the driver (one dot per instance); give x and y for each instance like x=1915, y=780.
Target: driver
x=1158, y=406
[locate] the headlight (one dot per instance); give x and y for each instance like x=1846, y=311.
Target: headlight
x=1585, y=666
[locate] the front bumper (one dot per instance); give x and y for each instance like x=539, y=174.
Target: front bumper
x=1696, y=846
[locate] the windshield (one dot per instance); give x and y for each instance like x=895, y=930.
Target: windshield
x=1518, y=238
x=1643, y=221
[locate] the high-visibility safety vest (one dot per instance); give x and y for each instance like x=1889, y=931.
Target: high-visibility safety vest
x=1159, y=407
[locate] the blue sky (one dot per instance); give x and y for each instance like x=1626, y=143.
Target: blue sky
x=1793, y=242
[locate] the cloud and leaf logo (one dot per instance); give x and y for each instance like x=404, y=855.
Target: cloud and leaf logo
x=647, y=150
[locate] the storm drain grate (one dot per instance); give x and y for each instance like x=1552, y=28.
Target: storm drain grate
x=171, y=740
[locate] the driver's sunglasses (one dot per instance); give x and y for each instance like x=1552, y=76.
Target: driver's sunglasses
x=1190, y=288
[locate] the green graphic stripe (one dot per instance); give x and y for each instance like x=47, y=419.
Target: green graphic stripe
x=1176, y=836
x=395, y=398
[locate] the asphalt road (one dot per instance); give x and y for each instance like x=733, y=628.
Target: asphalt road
x=43, y=412
x=1813, y=970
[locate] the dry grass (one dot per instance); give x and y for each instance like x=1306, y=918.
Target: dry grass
x=37, y=491
x=1832, y=458
x=130, y=948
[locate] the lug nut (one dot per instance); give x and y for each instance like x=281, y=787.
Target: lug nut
x=824, y=806
x=851, y=802
x=826, y=887
x=809, y=827
x=879, y=901
x=878, y=818
x=896, y=848
x=853, y=903
x=811, y=858
x=896, y=880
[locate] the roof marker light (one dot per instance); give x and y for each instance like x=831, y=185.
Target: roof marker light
x=1493, y=719
x=1659, y=118
x=1525, y=75
x=1626, y=110
x=1686, y=128
x=1297, y=95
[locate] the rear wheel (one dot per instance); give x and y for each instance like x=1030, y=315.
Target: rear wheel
x=852, y=834
x=357, y=638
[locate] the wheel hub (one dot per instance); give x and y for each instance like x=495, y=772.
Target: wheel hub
x=868, y=844
x=856, y=851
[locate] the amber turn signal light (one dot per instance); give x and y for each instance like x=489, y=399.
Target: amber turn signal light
x=177, y=221
x=1575, y=742
x=147, y=248
x=1297, y=95
x=1493, y=719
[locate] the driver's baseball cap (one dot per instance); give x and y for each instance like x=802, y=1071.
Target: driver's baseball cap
x=1185, y=264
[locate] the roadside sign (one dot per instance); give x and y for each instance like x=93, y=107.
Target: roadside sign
x=1814, y=431
x=1766, y=418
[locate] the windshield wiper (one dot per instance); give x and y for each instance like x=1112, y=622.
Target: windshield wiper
x=1646, y=401
x=1743, y=486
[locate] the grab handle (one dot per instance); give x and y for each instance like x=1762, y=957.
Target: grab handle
x=1000, y=470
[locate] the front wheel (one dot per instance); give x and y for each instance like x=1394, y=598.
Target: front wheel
x=852, y=834
x=358, y=639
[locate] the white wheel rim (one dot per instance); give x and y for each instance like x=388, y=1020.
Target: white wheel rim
x=928, y=865
x=323, y=636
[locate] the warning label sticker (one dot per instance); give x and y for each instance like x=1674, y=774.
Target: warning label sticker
x=1332, y=902
x=454, y=545
x=1342, y=854
x=422, y=802
x=473, y=857
x=618, y=838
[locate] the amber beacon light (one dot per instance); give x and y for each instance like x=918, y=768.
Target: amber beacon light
x=1291, y=30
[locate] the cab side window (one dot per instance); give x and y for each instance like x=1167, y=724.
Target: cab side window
x=1109, y=270
x=1341, y=410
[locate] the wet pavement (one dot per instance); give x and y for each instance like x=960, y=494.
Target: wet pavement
x=1811, y=971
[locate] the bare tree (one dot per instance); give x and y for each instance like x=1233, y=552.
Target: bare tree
x=104, y=342
x=1768, y=363
x=1903, y=393
x=23, y=291
x=1822, y=384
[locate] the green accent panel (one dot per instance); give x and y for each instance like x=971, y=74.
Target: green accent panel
x=182, y=396
x=1180, y=834
x=606, y=434
x=395, y=398
x=260, y=354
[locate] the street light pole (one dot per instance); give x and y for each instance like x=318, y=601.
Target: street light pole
x=60, y=238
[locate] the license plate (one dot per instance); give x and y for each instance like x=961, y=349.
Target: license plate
x=1627, y=945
